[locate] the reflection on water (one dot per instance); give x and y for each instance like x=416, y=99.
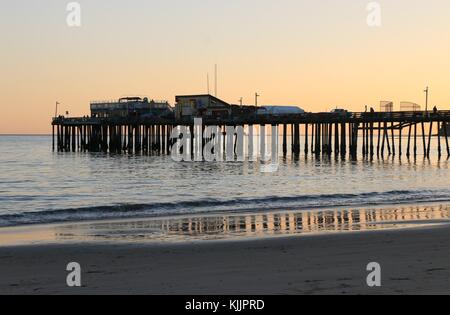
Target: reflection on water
x=46, y=187
x=251, y=225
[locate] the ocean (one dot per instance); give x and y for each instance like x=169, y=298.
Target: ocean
x=38, y=186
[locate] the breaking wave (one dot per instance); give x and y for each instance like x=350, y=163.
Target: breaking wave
x=208, y=206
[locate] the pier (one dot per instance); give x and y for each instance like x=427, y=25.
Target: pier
x=367, y=134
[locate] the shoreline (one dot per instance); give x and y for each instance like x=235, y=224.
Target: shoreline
x=413, y=261
x=229, y=226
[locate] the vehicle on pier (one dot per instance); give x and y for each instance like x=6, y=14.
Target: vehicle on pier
x=339, y=111
x=279, y=111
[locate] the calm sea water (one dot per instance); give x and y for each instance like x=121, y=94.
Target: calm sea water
x=41, y=186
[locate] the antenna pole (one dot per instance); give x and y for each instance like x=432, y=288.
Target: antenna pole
x=215, y=80
x=256, y=99
x=207, y=82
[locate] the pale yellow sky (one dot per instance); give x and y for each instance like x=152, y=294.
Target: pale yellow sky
x=314, y=54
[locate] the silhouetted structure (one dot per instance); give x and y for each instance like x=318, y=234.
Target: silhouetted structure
x=323, y=133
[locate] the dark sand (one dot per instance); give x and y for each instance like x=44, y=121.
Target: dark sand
x=414, y=261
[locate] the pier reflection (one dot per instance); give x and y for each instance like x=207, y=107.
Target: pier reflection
x=254, y=225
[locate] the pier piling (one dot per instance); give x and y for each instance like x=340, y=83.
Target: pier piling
x=324, y=134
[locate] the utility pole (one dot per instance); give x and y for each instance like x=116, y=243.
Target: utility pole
x=426, y=99
x=256, y=99
x=56, y=110
x=241, y=101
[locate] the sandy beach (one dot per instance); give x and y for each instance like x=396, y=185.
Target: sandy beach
x=414, y=261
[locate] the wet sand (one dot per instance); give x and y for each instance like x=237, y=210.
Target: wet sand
x=414, y=261
x=229, y=226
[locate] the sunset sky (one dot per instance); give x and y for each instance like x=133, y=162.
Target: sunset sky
x=310, y=53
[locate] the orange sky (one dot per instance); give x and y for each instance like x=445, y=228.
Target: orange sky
x=293, y=52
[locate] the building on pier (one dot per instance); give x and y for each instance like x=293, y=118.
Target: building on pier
x=131, y=107
x=205, y=105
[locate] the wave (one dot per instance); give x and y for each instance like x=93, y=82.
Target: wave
x=208, y=206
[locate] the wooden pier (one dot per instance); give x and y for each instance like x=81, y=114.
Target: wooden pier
x=370, y=134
